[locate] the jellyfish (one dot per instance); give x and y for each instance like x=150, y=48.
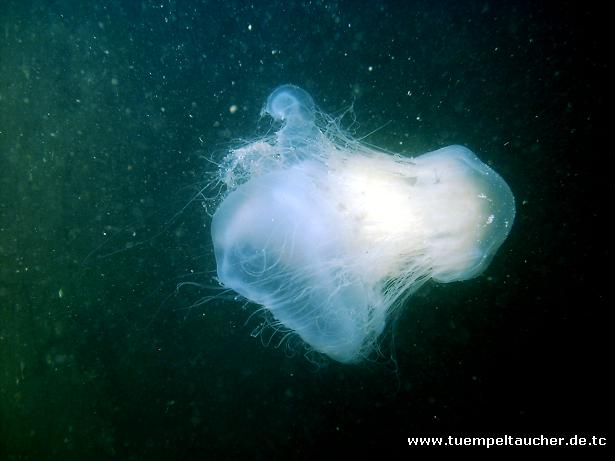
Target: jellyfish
x=331, y=236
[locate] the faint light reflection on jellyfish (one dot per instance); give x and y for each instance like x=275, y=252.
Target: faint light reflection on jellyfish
x=331, y=236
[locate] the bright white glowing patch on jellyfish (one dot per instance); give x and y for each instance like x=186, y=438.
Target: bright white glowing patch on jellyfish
x=331, y=236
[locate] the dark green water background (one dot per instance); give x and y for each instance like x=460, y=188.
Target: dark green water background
x=109, y=112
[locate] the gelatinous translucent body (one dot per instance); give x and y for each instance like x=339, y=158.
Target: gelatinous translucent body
x=330, y=235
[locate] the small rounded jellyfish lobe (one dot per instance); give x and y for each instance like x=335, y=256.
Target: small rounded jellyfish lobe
x=291, y=104
x=331, y=236
x=295, y=107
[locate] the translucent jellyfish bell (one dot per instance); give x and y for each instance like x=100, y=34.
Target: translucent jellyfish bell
x=331, y=236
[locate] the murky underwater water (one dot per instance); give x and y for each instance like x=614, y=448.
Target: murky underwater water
x=110, y=118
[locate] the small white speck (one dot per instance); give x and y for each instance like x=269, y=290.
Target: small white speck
x=490, y=219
